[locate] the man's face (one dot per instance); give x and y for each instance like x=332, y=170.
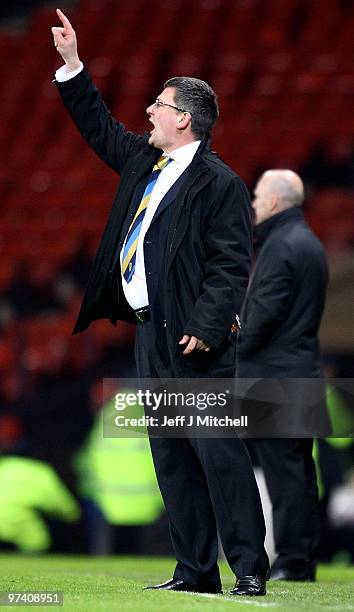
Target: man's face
x=165, y=121
x=263, y=202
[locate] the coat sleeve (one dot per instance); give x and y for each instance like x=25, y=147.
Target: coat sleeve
x=228, y=244
x=269, y=302
x=106, y=136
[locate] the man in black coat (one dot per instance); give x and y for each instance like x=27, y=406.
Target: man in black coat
x=175, y=258
x=279, y=340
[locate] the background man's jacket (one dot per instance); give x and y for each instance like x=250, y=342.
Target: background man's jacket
x=282, y=311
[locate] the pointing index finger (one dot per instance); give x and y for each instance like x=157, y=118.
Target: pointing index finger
x=65, y=21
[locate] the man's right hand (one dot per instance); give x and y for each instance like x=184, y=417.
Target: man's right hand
x=65, y=42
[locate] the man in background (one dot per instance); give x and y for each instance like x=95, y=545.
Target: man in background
x=279, y=340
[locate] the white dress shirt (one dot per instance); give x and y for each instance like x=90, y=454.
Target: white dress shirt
x=136, y=290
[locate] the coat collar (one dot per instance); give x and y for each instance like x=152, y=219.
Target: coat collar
x=263, y=230
x=204, y=146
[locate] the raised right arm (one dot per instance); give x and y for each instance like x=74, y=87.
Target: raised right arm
x=107, y=137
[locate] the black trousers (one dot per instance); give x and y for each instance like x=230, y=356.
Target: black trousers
x=206, y=484
x=291, y=480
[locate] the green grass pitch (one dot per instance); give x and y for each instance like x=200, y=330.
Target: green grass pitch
x=115, y=583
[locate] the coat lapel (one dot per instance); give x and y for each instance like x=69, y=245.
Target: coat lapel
x=179, y=223
x=171, y=195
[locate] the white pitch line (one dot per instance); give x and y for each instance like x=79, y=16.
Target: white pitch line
x=236, y=599
x=261, y=604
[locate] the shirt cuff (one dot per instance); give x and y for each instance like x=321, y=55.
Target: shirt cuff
x=62, y=74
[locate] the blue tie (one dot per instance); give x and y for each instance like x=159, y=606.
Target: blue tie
x=131, y=241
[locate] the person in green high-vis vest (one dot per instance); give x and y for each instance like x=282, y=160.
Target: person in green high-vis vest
x=118, y=476
x=30, y=491
x=334, y=463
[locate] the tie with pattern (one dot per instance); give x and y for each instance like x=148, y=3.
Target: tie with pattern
x=131, y=241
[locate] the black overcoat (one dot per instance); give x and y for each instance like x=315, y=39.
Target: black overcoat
x=209, y=243
x=283, y=308
x=278, y=340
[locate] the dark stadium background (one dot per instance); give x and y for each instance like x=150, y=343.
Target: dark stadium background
x=284, y=74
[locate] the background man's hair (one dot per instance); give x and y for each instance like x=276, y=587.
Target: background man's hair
x=198, y=98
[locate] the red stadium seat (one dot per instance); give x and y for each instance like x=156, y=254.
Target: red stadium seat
x=284, y=75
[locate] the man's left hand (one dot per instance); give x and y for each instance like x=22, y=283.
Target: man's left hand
x=194, y=344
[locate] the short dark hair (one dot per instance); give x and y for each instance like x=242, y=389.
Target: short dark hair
x=199, y=99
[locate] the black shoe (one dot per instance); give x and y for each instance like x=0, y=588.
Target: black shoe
x=279, y=573
x=181, y=585
x=249, y=586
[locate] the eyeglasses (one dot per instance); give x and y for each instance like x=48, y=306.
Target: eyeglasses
x=159, y=104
